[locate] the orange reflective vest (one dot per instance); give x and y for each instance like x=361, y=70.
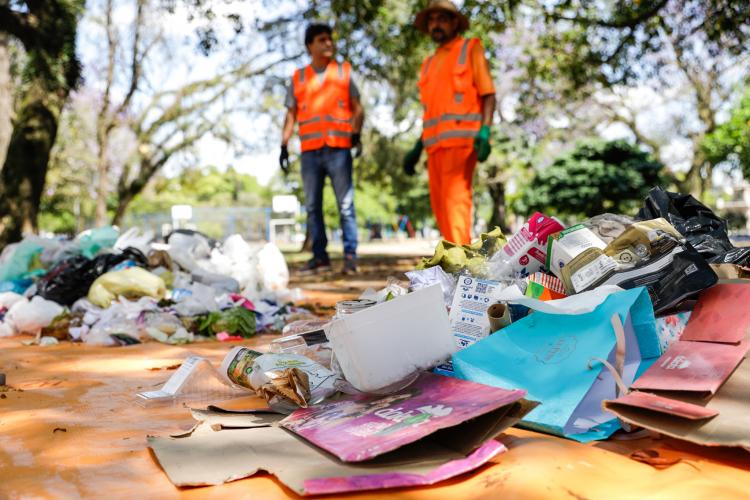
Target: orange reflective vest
x=323, y=110
x=452, y=105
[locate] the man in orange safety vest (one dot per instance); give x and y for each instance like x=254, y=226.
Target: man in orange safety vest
x=458, y=96
x=323, y=99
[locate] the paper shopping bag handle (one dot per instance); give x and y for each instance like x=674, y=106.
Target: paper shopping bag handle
x=619, y=367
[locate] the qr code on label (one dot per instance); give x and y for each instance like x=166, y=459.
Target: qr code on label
x=481, y=287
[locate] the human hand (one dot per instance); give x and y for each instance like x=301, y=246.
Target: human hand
x=482, y=143
x=357, y=144
x=412, y=158
x=284, y=160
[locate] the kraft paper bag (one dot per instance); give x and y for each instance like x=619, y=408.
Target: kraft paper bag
x=725, y=423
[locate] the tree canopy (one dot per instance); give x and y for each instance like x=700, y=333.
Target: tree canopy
x=564, y=70
x=595, y=177
x=730, y=142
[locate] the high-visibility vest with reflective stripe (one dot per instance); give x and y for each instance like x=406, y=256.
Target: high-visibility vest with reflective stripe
x=324, y=112
x=452, y=105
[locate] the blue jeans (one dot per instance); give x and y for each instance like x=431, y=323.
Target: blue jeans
x=337, y=164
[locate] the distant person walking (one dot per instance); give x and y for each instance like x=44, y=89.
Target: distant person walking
x=458, y=96
x=324, y=100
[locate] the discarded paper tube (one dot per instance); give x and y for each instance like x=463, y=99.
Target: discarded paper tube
x=499, y=316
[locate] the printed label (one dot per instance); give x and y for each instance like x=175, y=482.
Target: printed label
x=468, y=316
x=590, y=273
x=241, y=367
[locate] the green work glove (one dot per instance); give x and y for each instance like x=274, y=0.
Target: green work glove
x=482, y=143
x=412, y=158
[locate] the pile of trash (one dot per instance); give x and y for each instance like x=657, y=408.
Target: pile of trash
x=611, y=325
x=107, y=288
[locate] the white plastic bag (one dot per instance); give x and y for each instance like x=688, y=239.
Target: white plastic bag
x=272, y=268
x=187, y=249
x=134, y=238
x=31, y=316
x=7, y=299
x=120, y=317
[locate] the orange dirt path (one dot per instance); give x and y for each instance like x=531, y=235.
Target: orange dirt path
x=70, y=428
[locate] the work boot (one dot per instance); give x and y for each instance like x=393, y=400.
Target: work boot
x=315, y=265
x=350, y=265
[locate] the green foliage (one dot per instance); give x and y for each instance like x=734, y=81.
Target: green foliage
x=586, y=43
x=594, y=178
x=208, y=187
x=234, y=321
x=730, y=142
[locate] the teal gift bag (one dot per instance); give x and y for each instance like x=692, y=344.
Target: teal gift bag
x=569, y=362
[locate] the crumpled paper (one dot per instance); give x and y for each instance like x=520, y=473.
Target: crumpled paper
x=286, y=381
x=291, y=381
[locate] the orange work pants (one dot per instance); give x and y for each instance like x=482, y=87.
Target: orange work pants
x=451, y=171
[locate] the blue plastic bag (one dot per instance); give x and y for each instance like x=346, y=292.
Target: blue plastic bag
x=92, y=241
x=557, y=358
x=17, y=266
x=18, y=286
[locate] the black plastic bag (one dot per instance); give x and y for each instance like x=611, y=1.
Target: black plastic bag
x=700, y=226
x=71, y=279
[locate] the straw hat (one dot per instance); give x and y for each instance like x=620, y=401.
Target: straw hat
x=441, y=5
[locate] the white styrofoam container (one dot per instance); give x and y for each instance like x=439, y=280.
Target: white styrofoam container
x=386, y=343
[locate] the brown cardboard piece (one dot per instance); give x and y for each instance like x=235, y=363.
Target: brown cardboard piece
x=728, y=428
x=226, y=446
x=731, y=271
x=648, y=401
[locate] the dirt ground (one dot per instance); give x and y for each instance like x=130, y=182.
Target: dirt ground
x=325, y=289
x=70, y=428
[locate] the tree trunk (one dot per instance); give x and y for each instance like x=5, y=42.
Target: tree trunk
x=123, y=201
x=496, y=189
x=6, y=97
x=25, y=167
x=698, y=178
x=499, y=213
x=102, y=186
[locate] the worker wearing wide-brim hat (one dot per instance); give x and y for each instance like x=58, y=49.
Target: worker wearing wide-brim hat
x=458, y=96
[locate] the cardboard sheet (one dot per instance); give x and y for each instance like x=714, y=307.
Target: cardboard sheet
x=88, y=390
x=668, y=406
x=699, y=367
x=212, y=453
x=721, y=314
x=728, y=428
x=359, y=428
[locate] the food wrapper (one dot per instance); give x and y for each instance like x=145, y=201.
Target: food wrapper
x=291, y=384
x=471, y=258
x=526, y=252
x=564, y=246
x=649, y=253
x=290, y=381
x=544, y=287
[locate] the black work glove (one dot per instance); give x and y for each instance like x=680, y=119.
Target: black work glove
x=412, y=158
x=284, y=160
x=357, y=144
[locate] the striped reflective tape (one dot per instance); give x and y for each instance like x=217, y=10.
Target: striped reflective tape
x=450, y=134
x=339, y=133
x=432, y=122
x=314, y=135
x=333, y=119
x=464, y=51
x=314, y=119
